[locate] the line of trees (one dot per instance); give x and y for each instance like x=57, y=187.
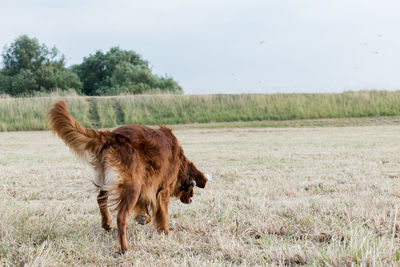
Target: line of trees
x=29, y=67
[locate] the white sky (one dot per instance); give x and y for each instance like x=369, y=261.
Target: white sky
x=228, y=46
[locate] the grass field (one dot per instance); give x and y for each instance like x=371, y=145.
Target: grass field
x=284, y=196
x=21, y=114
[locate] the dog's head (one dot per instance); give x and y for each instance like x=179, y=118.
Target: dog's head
x=189, y=178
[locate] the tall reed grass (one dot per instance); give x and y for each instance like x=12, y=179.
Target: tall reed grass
x=23, y=114
x=104, y=112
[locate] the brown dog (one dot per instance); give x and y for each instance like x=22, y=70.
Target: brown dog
x=136, y=167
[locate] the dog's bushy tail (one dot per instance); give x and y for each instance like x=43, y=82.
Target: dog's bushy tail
x=82, y=141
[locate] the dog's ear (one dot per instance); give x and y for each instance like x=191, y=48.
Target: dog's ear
x=122, y=139
x=123, y=143
x=197, y=175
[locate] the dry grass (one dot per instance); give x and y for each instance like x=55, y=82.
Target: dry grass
x=318, y=196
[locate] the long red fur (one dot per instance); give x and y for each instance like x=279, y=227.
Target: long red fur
x=79, y=139
x=137, y=166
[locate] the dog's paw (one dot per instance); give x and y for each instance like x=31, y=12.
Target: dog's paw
x=121, y=252
x=143, y=219
x=107, y=227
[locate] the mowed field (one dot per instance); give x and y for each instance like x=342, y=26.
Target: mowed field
x=280, y=196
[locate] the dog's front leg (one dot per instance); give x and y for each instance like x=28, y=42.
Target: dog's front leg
x=142, y=215
x=161, y=212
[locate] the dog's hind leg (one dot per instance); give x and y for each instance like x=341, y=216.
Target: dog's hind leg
x=128, y=197
x=106, y=221
x=142, y=215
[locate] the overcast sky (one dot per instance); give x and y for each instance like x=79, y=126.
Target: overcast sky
x=228, y=46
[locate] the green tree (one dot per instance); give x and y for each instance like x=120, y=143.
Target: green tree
x=120, y=71
x=30, y=67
